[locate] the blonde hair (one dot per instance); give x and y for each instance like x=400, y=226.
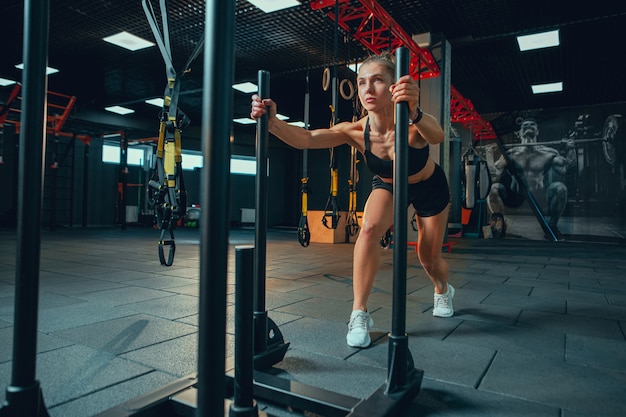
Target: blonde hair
x=386, y=59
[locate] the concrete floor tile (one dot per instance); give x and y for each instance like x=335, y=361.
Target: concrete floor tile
x=571, y=324
x=440, y=399
x=126, y=334
x=320, y=308
x=174, y=307
x=596, y=352
x=123, y=295
x=557, y=384
x=101, y=400
x=501, y=337
x=74, y=371
x=178, y=356
x=523, y=302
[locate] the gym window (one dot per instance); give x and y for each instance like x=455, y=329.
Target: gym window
x=239, y=164
x=111, y=155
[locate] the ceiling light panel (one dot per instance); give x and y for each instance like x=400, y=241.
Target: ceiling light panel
x=246, y=87
x=128, y=41
x=538, y=40
x=547, y=88
x=49, y=70
x=4, y=82
x=269, y=6
x=119, y=110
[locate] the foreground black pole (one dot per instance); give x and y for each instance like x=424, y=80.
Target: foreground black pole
x=243, y=404
x=398, y=339
x=23, y=395
x=403, y=380
x=215, y=184
x=269, y=345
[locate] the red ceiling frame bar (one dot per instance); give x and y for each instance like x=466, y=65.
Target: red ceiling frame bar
x=462, y=111
x=377, y=31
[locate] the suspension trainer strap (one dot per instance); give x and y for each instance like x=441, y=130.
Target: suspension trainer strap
x=304, y=235
x=332, y=208
x=352, y=221
x=170, y=195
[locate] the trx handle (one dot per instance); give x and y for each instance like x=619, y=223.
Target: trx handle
x=304, y=235
x=332, y=208
x=352, y=221
x=170, y=242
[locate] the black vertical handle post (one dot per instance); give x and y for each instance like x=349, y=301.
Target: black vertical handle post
x=243, y=404
x=260, y=238
x=23, y=395
x=398, y=340
x=217, y=108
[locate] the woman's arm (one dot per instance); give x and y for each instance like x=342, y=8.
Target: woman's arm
x=295, y=136
x=406, y=89
x=430, y=129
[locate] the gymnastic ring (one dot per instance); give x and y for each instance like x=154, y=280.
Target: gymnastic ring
x=350, y=89
x=326, y=79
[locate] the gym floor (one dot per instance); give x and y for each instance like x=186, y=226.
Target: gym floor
x=539, y=327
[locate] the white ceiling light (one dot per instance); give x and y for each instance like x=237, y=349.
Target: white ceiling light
x=299, y=124
x=246, y=87
x=281, y=116
x=269, y=6
x=244, y=121
x=155, y=101
x=128, y=41
x=547, y=88
x=119, y=110
x=538, y=40
x=4, y=82
x=49, y=70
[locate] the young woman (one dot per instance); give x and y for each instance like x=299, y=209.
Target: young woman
x=374, y=136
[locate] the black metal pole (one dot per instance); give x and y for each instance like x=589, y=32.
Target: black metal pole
x=215, y=185
x=269, y=345
x=260, y=237
x=243, y=404
x=85, y=198
x=53, y=185
x=398, y=340
x=123, y=182
x=23, y=395
x=454, y=219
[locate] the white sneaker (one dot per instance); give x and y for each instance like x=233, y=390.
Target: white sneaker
x=358, y=329
x=443, y=303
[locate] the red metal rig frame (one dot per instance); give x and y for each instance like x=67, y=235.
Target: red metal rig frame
x=376, y=30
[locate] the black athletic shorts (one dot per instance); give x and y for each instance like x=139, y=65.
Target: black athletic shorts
x=429, y=197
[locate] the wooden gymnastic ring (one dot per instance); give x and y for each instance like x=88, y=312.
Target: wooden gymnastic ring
x=326, y=79
x=350, y=89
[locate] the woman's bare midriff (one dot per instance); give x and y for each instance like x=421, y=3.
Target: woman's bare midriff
x=424, y=174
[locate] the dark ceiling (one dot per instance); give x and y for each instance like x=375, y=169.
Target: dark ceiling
x=487, y=66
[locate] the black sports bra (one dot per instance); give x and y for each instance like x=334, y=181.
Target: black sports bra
x=384, y=167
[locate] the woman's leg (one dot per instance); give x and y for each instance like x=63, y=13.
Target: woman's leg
x=377, y=218
x=431, y=233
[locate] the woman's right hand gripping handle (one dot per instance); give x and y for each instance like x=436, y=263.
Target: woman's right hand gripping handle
x=260, y=107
